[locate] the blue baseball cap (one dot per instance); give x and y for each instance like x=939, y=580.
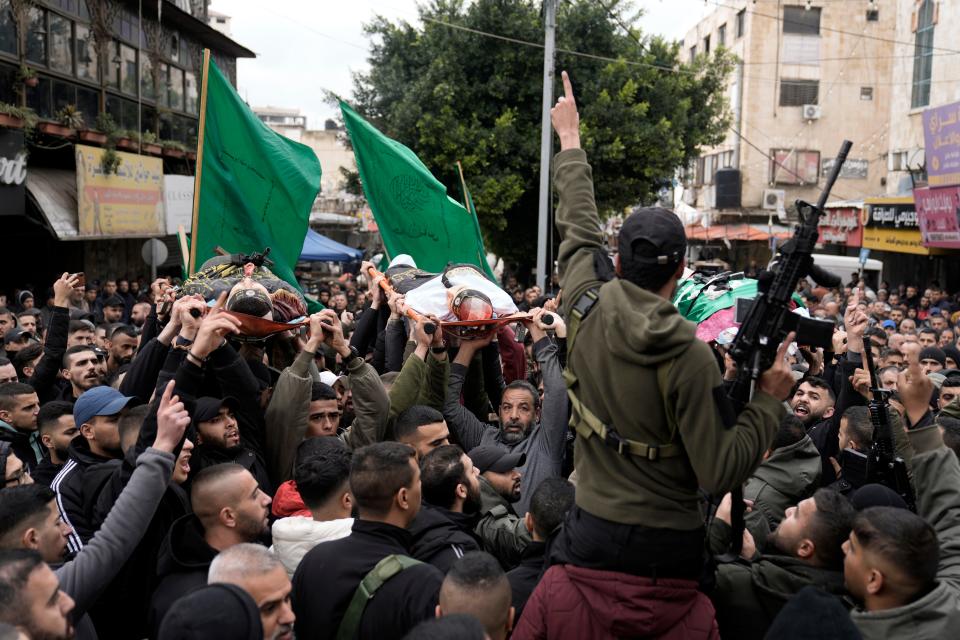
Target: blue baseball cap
x=98, y=401
x=889, y=323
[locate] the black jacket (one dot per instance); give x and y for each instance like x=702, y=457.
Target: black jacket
x=77, y=486
x=330, y=573
x=524, y=578
x=182, y=566
x=24, y=443
x=45, y=374
x=45, y=472
x=440, y=536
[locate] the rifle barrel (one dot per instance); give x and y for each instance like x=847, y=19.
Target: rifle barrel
x=834, y=174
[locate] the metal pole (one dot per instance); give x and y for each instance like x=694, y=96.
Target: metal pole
x=546, y=142
x=139, y=79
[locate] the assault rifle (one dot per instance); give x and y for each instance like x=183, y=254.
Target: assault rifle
x=884, y=466
x=770, y=318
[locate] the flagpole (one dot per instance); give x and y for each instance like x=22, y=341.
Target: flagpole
x=463, y=186
x=192, y=265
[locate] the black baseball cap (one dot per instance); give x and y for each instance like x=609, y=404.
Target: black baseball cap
x=207, y=407
x=658, y=226
x=493, y=458
x=16, y=335
x=113, y=301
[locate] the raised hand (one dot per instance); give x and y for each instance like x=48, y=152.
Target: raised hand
x=333, y=332
x=63, y=288
x=172, y=421
x=565, y=118
x=913, y=387
x=316, y=333
x=214, y=328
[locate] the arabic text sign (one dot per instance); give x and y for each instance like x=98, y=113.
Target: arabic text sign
x=941, y=135
x=895, y=240
x=127, y=203
x=937, y=213
x=892, y=216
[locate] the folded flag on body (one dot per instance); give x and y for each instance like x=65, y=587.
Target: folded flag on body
x=412, y=209
x=255, y=188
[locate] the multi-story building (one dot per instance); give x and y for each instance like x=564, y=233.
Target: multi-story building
x=287, y=122
x=809, y=74
x=80, y=59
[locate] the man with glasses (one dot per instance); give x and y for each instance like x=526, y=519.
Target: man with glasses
x=15, y=472
x=8, y=373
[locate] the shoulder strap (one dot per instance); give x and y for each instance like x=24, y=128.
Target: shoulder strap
x=378, y=576
x=588, y=424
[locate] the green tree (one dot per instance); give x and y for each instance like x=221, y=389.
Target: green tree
x=451, y=94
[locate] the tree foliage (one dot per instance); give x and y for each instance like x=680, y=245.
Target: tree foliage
x=451, y=95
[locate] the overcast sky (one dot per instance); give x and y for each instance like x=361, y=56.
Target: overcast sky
x=306, y=46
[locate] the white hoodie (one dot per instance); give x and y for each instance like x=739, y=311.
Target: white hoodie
x=293, y=537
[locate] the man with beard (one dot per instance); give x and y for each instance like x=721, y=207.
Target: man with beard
x=139, y=314
x=813, y=402
x=57, y=429
x=228, y=508
x=81, y=370
x=18, y=421
x=525, y=427
x=805, y=549
x=443, y=530
x=121, y=345
x=261, y=574
x=95, y=415
x=501, y=530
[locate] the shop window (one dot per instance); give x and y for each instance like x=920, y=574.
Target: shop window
x=176, y=88
x=63, y=94
x=38, y=98
x=128, y=70
x=8, y=30
x=86, y=54
x=146, y=79
x=88, y=101
x=37, y=36
x=61, y=44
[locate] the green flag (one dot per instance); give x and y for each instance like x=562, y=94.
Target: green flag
x=254, y=187
x=697, y=307
x=413, y=211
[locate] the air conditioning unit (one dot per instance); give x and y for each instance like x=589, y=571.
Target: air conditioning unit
x=773, y=199
x=811, y=112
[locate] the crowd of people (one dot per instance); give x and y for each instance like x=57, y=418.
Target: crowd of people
x=568, y=476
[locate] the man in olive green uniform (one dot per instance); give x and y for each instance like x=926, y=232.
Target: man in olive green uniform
x=652, y=421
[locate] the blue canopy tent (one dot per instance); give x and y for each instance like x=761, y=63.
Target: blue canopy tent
x=321, y=248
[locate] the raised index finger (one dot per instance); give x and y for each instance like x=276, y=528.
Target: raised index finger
x=567, y=86
x=785, y=345
x=167, y=393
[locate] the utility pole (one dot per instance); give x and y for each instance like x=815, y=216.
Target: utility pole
x=546, y=142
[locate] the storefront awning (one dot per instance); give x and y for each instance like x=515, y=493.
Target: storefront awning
x=736, y=232
x=54, y=192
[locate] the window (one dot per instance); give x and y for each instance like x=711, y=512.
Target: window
x=693, y=53
x=698, y=174
x=128, y=69
x=741, y=22
x=190, y=102
x=61, y=44
x=866, y=93
x=790, y=166
x=923, y=55
x=176, y=88
x=146, y=79
x=706, y=45
x=722, y=35
x=726, y=160
x=873, y=15
x=796, y=93
x=86, y=54
x=37, y=37
x=173, y=47
x=8, y=30
x=801, y=20
x=709, y=168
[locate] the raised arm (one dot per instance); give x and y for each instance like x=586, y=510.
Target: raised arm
x=45, y=373
x=577, y=217
x=553, y=413
x=286, y=415
x=464, y=425
x=85, y=578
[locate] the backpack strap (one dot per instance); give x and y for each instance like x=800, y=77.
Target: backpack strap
x=586, y=422
x=378, y=576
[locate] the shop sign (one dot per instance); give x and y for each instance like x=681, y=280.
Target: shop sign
x=852, y=169
x=840, y=226
x=13, y=172
x=891, y=215
x=126, y=203
x=938, y=212
x=941, y=138
x=895, y=240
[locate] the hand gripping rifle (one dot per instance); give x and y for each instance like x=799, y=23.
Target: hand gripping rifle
x=884, y=466
x=770, y=319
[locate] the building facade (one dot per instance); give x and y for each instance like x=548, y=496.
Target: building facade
x=78, y=61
